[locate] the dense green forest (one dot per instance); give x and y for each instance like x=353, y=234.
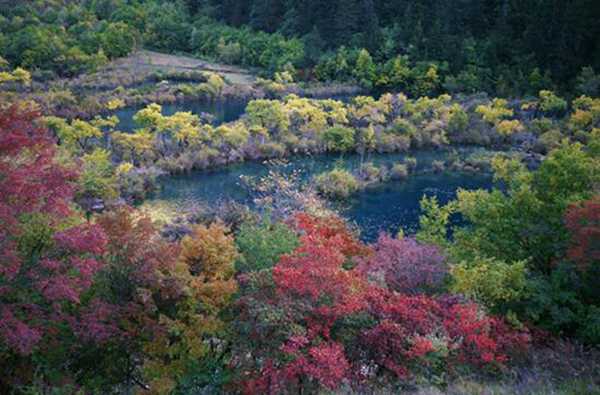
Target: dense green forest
x=481, y=43
x=299, y=197
x=503, y=47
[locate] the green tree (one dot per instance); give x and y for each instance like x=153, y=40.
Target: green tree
x=365, y=69
x=339, y=138
x=261, y=245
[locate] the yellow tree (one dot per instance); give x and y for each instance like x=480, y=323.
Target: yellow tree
x=78, y=135
x=197, y=332
x=133, y=147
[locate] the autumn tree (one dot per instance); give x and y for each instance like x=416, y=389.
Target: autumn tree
x=317, y=320
x=583, y=221
x=49, y=254
x=196, y=333
x=406, y=266
x=141, y=301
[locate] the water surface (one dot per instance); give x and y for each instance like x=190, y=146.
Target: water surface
x=388, y=207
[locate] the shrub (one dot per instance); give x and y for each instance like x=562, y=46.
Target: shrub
x=97, y=178
x=229, y=52
x=318, y=321
x=459, y=120
x=583, y=221
x=337, y=183
x=506, y=127
x=136, y=183
x=371, y=173
x=588, y=82
x=411, y=163
x=399, y=171
x=339, y=138
x=438, y=166
x=551, y=104
x=550, y=140
x=494, y=112
x=406, y=266
x=213, y=85
x=490, y=281
x=262, y=245
x=403, y=126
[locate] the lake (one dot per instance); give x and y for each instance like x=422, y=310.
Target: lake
x=389, y=207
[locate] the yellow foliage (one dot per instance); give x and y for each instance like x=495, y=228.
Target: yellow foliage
x=507, y=127
x=148, y=117
x=495, y=112
x=368, y=109
x=234, y=134
x=586, y=115
x=305, y=114
x=115, y=104
x=335, y=110
x=209, y=254
x=124, y=168
x=134, y=146
x=489, y=280
x=18, y=75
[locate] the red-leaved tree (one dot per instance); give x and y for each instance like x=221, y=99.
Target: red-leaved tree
x=404, y=265
x=317, y=321
x=48, y=255
x=583, y=221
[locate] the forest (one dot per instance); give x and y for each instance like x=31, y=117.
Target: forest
x=299, y=197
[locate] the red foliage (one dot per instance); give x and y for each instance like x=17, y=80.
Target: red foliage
x=143, y=265
x=407, y=324
x=583, y=221
x=43, y=271
x=329, y=229
x=318, y=297
x=315, y=271
x=405, y=265
x=482, y=339
x=324, y=364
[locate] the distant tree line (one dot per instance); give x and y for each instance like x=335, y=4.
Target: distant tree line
x=493, y=43
x=504, y=47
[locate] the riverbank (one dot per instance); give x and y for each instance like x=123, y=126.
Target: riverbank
x=146, y=77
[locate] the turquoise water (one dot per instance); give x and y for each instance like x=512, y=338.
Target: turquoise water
x=386, y=207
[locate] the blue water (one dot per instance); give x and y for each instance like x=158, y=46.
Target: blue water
x=387, y=207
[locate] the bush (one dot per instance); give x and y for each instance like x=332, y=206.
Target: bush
x=339, y=138
x=411, y=163
x=371, y=173
x=261, y=245
x=551, y=104
x=337, y=183
x=135, y=184
x=459, y=120
x=406, y=266
x=490, y=281
x=403, y=126
x=550, y=140
x=399, y=171
x=438, y=166
x=588, y=82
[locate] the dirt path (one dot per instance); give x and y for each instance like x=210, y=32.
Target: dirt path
x=145, y=60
